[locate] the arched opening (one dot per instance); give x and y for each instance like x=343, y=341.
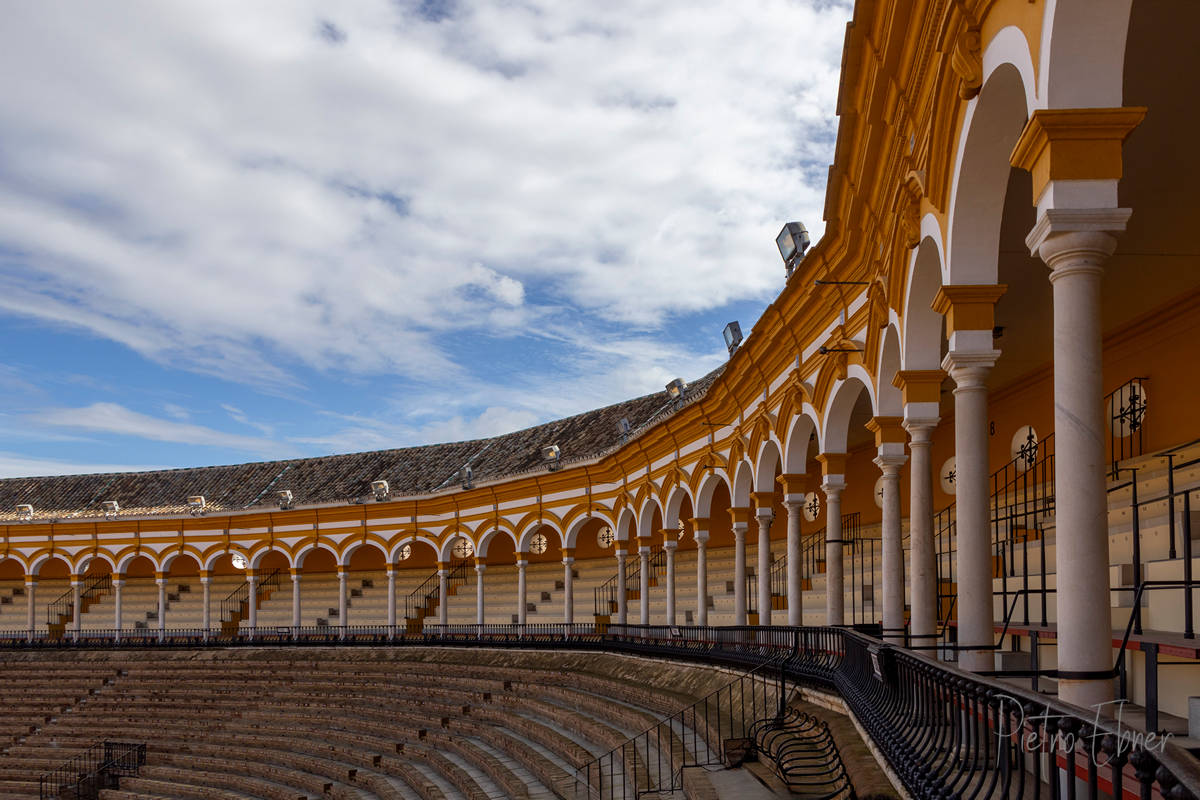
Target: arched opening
x=13, y=602
x=139, y=596
x=318, y=587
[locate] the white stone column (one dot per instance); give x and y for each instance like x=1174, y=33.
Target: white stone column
x=764, y=516
x=974, y=541
x=669, y=547
x=296, y=607
x=922, y=552
x=391, y=604
x=31, y=604
x=206, y=612
x=252, y=601
x=568, y=590
x=522, y=592
x=701, y=577
x=1075, y=245
x=893, y=548
x=644, y=583
x=795, y=567
x=479, y=604
x=443, y=594
x=118, y=583
x=622, y=590
x=739, y=573
x=835, y=590
x=343, y=601
x=76, y=605
x=162, y=606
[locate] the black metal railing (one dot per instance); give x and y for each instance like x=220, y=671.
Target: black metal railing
x=804, y=753
x=605, y=596
x=422, y=599
x=779, y=576
x=1022, y=498
x=704, y=734
x=1126, y=406
x=63, y=609
x=944, y=732
x=97, y=768
x=234, y=606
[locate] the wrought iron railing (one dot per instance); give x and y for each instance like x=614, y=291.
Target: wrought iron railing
x=234, y=606
x=1022, y=498
x=604, y=596
x=63, y=609
x=97, y=768
x=421, y=601
x=1126, y=407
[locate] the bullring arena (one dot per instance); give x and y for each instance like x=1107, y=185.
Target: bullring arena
x=929, y=532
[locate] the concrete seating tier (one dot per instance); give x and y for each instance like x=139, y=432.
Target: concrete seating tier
x=341, y=723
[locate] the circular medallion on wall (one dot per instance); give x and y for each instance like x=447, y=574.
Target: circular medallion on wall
x=948, y=474
x=538, y=544
x=1127, y=408
x=405, y=553
x=1024, y=447
x=463, y=548
x=605, y=537
x=239, y=561
x=812, y=506
x=879, y=492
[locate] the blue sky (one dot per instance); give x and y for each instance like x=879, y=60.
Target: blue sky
x=232, y=231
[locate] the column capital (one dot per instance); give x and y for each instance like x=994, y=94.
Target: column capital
x=740, y=514
x=568, y=552
x=763, y=501
x=832, y=464
x=481, y=568
x=480, y=560
x=568, y=560
x=890, y=465
x=699, y=523
x=669, y=546
x=701, y=538
x=522, y=563
x=644, y=549
x=889, y=435
x=968, y=307
x=1072, y=240
x=296, y=573
x=920, y=429
x=31, y=580
x=833, y=486
x=970, y=369
x=443, y=566
x=118, y=581
x=919, y=385
x=620, y=552
x=205, y=577
x=76, y=580
x=1074, y=144
x=739, y=531
x=794, y=507
x=765, y=515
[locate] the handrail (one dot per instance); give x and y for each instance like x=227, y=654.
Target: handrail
x=430, y=589
x=63, y=607
x=231, y=606
x=94, y=769
x=604, y=596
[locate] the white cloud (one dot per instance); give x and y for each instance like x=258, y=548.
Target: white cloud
x=240, y=188
x=111, y=418
x=16, y=465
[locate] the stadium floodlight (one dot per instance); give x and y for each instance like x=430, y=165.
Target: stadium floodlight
x=285, y=499
x=380, y=489
x=676, y=388
x=624, y=427
x=468, y=477
x=24, y=512
x=792, y=242
x=733, y=336
x=551, y=455
x=195, y=504
x=111, y=507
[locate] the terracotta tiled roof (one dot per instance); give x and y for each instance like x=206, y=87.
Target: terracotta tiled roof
x=338, y=478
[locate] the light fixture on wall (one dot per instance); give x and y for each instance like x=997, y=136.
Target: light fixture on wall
x=676, y=389
x=468, y=477
x=196, y=504
x=110, y=507
x=733, y=336
x=380, y=489
x=239, y=561
x=551, y=455
x=624, y=428
x=284, y=498
x=24, y=512
x=792, y=242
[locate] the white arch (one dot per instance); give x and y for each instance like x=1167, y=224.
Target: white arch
x=525, y=537
x=261, y=554
x=743, y=484
x=486, y=540
x=841, y=405
x=583, y=519
x=799, y=436
x=302, y=553
x=645, y=518
x=993, y=123
x=1082, y=55
x=674, y=504
x=625, y=522
x=890, y=402
x=769, y=461
x=394, y=555
x=707, y=488
x=17, y=557
x=344, y=557
x=921, y=333
x=1009, y=46
x=123, y=564
x=170, y=558
x=84, y=563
